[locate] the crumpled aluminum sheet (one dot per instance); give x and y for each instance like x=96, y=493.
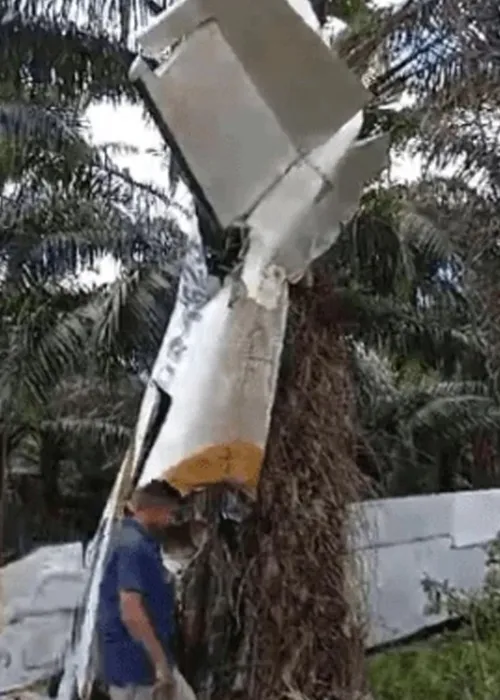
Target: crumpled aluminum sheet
x=40, y=594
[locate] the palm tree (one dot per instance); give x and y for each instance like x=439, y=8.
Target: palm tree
x=395, y=279
x=402, y=298
x=382, y=284
x=63, y=205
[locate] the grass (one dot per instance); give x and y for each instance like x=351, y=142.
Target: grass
x=457, y=667
x=460, y=665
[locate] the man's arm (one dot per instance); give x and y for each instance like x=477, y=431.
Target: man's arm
x=132, y=587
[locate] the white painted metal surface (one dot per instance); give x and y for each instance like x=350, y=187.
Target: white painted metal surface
x=386, y=522
x=250, y=91
x=223, y=390
x=397, y=601
x=310, y=208
x=39, y=595
x=192, y=295
x=471, y=527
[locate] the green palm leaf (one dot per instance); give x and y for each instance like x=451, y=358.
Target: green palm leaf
x=133, y=311
x=54, y=53
x=95, y=430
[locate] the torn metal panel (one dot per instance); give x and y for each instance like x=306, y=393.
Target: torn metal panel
x=390, y=521
x=310, y=91
x=238, y=89
x=397, y=603
x=39, y=594
x=192, y=294
x=222, y=395
x=32, y=585
x=468, y=529
x=34, y=649
x=318, y=229
x=220, y=121
x=311, y=202
x=403, y=541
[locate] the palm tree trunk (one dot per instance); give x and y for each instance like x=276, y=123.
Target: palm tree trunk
x=306, y=636
x=269, y=606
x=446, y=472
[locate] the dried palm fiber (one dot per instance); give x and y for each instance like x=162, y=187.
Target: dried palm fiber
x=210, y=607
x=266, y=608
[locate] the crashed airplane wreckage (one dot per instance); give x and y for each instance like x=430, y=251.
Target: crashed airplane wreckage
x=264, y=119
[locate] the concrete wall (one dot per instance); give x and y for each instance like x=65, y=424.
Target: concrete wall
x=402, y=541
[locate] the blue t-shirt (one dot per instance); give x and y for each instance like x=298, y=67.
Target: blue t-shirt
x=134, y=564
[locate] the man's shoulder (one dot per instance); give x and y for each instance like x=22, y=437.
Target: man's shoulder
x=129, y=536
x=131, y=539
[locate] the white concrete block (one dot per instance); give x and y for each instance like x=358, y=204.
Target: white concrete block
x=397, y=601
x=476, y=517
x=401, y=520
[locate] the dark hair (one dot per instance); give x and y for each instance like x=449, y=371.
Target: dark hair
x=156, y=493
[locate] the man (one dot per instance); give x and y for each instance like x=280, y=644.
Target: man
x=137, y=602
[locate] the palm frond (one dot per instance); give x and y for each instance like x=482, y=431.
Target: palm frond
x=462, y=43
x=446, y=55
x=412, y=401
x=55, y=128
x=48, y=51
x=418, y=229
x=374, y=377
x=96, y=431
x=133, y=311
x=408, y=332
x=405, y=429
x=45, y=342
x=39, y=137
x=115, y=396
x=456, y=418
x=57, y=237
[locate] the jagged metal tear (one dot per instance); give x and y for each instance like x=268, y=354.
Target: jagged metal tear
x=224, y=387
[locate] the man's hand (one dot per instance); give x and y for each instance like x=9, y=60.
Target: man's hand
x=165, y=682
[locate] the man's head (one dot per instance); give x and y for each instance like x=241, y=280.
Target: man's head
x=155, y=504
